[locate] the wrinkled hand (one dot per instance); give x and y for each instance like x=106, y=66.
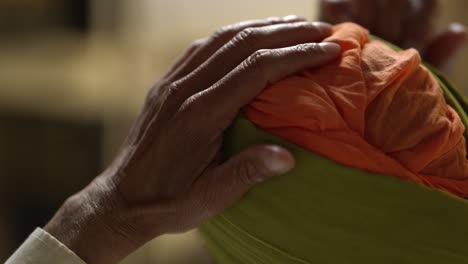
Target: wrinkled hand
x=168, y=176
x=407, y=23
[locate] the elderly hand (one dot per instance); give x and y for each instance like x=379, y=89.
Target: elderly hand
x=168, y=176
x=407, y=23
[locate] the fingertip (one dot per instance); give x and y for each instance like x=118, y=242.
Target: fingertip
x=324, y=27
x=330, y=48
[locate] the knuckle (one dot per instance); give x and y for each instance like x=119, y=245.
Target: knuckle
x=172, y=89
x=248, y=173
x=164, y=99
x=257, y=60
x=245, y=37
x=224, y=33
x=157, y=91
x=309, y=49
x=303, y=48
x=168, y=98
x=198, y=43
x=274, y=20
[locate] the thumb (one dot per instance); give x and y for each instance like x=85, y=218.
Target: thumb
x=444, y=48
x=231, y=180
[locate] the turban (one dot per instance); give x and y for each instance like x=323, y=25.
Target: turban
x=381, y=168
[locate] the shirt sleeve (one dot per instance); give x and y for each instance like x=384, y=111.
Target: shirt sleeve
x=42, y=248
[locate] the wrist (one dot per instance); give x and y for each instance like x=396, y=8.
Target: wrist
x=89, y=230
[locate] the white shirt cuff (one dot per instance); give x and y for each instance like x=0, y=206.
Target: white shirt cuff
x=42, y=248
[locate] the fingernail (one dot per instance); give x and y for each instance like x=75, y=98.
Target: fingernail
x=290, y=18
x=278, y=160
x=330, y=47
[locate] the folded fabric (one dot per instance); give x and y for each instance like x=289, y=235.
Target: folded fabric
x=375, y=109
x=380, y=150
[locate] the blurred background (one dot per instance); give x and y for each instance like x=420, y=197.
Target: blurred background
x=73, y=75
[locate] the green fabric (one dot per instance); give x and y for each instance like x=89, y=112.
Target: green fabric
x=323, y=212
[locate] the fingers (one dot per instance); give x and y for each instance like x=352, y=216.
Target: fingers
x=419, y=27
x=336, y=11
x=182, y=59
x=231, y=180
x=443, y=49
x=244, y=44
x=389, y=23
x=248, y=79
x=219, y=38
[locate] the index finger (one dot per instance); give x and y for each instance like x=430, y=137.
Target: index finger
x=218, y=105
x=220, y=37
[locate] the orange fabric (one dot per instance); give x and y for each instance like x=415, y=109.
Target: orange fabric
x=374, y=109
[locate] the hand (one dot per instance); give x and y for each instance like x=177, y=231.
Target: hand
x=407, y=23
x=168, y=176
